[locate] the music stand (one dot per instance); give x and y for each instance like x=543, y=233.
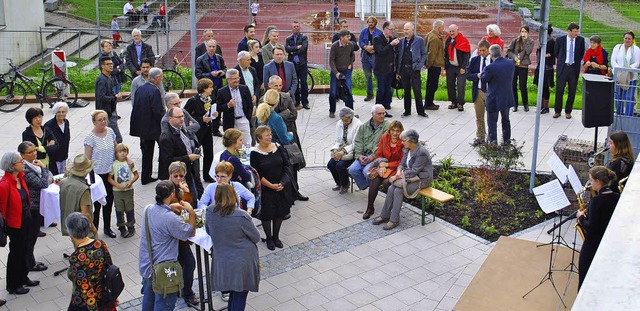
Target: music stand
x=551, y=198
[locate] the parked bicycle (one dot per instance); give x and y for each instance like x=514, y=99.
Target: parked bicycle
x=172, y=79
x=13, y=93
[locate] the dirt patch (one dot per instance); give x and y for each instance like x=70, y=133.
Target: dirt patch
x=603, y=13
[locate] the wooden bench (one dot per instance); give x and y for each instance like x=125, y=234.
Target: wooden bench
x=433, y=194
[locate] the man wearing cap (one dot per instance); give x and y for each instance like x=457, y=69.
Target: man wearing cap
x=75, y=195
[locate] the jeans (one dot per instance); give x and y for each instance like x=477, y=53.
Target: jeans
x=237, y=300
x=492, y=124
x=188, y=263
x=626, y=99
x=113, y=124
x=433, y=76
x=333, y=89
x=156, y=302
x=302, y=93
x=384, y=94
x=411, y=80
x=367, y=67
x=339, y=171
x=358, y=173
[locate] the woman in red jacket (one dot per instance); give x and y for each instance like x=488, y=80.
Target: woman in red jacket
x=388, y=156
x=15, y=209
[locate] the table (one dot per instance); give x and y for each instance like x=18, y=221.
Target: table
x=50, y=199
x=202, y=240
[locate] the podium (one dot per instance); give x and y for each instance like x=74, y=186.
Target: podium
x=597, y=100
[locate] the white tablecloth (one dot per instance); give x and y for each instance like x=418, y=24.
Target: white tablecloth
x=50, y=200
x=202, y=239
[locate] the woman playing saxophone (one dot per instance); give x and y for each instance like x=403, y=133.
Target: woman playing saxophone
x=597, y=218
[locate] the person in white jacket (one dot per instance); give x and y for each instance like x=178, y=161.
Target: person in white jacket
x=342, y=151
x=626, y=55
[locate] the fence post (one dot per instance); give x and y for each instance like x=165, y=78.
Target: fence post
x=98, y=25
x=192, y=13
x=80, y=43
x=499, y=12
x=333, y=5
x=166, y=28
x=41, y=47
x=250, y=15
x=581, y=13
x=415, y=19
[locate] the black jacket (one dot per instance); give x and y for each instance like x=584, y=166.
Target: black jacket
x=202, y=48
x=203, y=68
x=132, y=57
x=146, y=113
x=173, y=149
x=385, y=55
x=291, y=47
x=62, y=140
x=195, y=107
x=118, y=67
x=228, y=115
x=105, y=98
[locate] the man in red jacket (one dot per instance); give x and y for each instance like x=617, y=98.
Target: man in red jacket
x=457, y=51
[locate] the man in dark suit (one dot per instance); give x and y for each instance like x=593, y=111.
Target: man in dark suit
x=499, y=79
x=477, y=64
x=385, y=46
x=248, y=75
x=412, y=53
x=146, y=116
x=296, y=47
x=211, y=65
x=284, y=69
x=178, y=144
x=569, y=50
x=136, y=52
x=202, y=47
x=234, y=103
x=249, y=34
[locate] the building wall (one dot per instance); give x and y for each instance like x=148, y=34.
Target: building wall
x=19, y=37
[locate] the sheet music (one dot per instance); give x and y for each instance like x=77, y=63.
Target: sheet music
x=551, y=196
x=558, y=168
x=575, y=182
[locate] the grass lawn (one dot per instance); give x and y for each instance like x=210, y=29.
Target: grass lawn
x=87, y=9
x=628, y=9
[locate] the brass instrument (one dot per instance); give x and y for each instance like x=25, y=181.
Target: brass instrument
x=621, y=183
x=583, y=207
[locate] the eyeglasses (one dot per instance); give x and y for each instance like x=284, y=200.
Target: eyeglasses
x=177, y=176
x=19, y=162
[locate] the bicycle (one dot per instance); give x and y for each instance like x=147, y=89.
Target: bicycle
x=171, y=78
x=126, y=76
x=13, y=94
x=310, y=81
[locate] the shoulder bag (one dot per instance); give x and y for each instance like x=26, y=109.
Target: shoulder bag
x=166, y=277
x=113, y=285
x=295, y=155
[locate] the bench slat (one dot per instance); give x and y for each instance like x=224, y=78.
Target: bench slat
x=435, y=194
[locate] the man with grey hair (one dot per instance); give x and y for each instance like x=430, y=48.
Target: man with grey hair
x=365, y=147
x=457, y=51
x=202, y=47
x=268, y=49
x=499, y=78
x=234, y=103
x=211, y=65
x=434, y=63
x=173, y=100
x=248, y=75
x=146, y=115
x=136, y=52
x=412, y=54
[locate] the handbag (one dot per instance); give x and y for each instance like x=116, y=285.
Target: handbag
x=402, y=183
x=166, y=277
x=396, y=83
x=623, y=79
x=373, y=170
x=113, y=285
x=295, y=155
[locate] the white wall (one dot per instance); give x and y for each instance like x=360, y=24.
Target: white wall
x=20, y=15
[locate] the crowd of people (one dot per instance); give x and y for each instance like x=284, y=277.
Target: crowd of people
x=256, y=175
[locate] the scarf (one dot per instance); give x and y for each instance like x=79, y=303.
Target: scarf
x=459, y=43
x=34, y=167
x=597, y=53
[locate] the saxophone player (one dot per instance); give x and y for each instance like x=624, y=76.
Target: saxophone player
x=622, y=158
x=596, y=219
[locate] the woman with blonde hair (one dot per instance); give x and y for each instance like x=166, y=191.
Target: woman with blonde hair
x=622, y=156
x=256, y=60
x=267, y=116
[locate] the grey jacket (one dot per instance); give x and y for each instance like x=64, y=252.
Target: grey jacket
x=419, y=165
x=418, y=53
x=522, y=51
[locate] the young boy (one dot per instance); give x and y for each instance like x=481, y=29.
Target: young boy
x=125, y=176
x=115, y=30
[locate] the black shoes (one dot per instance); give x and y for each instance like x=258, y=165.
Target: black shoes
x=144, y=182
x=32, y=283
x=368, y=213
x=41, y=234
x=526, y=108
x=336, y=188
x=278, y=243
x=424, y=115
x=19, y=291
x=270, y=245
x=431, y=107
x=544, y=110
x=109, y=233
x=515, y=109
x=302, y=197
x=217, y=133
x=306, y=106
x=369, y=97
x=39, y=267
x=387, y=115
x=192, y=302
x=405, y=114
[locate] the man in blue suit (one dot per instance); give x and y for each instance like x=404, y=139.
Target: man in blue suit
x=477, y=64
x=283, y=69
x=499, y=79
x=569, y=50
x=412, y=54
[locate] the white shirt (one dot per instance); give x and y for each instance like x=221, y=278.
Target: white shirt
x=237, y=98
x=248, y=79
x=569, y=60
x=487, y=61
x=127, y=7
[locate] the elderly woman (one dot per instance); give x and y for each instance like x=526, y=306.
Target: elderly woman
x=520, y=51
x=493, y=35
x=342, y=151
x=14, y=206
x=118, y=72
x=596, y=219
x=550, y=60
x=278, y=193
x=224, y=171
x=233, y=141
x=177, y=173
x=100, y=146
x=622, y=156
x=256, y=60
x=37, y=177
x=59, y=126
x=626, y=55
x=40, y=136
x=596, y=57
x=415, y=172
x=267, y=116
x=388, y=156
x=235, y=266
x=199, y=106
x=88, y=266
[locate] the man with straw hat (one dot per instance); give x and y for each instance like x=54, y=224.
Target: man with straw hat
x=75, y=194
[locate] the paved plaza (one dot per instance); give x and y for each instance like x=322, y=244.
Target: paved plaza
x=332, y=259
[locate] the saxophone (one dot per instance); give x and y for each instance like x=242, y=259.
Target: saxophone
x=583, y=207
